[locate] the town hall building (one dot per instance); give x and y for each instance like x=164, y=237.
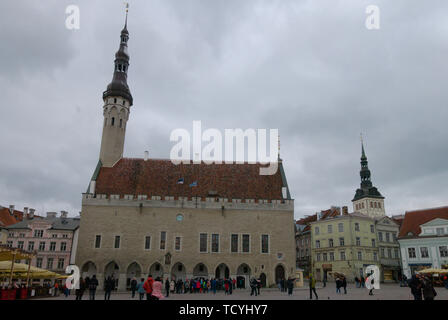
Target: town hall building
x=149, y=216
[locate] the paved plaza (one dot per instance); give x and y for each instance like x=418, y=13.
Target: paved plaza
x=387, y=292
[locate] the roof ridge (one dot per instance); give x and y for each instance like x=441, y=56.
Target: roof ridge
x=428, y=209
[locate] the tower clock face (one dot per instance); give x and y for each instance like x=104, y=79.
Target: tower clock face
x=179, y=217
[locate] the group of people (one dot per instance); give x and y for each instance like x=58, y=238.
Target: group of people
x=286, y=285
x=422, y=287
x=341, y=282
x=196, y=285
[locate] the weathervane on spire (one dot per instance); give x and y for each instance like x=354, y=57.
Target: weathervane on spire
x=127, y=10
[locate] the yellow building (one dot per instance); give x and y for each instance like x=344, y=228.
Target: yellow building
x=343, y=243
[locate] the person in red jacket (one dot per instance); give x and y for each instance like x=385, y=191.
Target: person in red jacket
x=148, y=287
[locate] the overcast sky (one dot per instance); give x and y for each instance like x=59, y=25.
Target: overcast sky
x=308, y=68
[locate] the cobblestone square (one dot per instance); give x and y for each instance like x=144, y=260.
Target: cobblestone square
x=387, y=292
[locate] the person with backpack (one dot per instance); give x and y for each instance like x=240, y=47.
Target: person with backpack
x=93, y=283
x=140, y=289
x=429, y=293
x=148, y=287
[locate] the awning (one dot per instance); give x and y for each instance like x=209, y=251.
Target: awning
x=9, y=254
x=20, y=270
x=433, y=270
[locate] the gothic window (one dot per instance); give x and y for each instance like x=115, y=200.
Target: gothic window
x=113, y=121
x=379, y=205
x=115, y=100
x=121, y=123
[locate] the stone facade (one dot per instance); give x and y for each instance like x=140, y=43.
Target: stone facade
x=134, y=220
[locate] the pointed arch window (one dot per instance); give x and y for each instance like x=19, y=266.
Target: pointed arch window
x=121, y=123
x=113, y=121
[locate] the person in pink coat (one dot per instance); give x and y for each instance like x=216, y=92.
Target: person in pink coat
x=157, y=289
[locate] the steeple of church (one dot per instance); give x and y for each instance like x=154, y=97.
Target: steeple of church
x=367, y=198
x=117, y=103
x=119, y=85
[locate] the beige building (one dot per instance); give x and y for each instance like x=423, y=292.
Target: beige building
x=343, y=243
x=147, y=216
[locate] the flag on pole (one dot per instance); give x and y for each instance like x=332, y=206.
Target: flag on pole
x=180, y=181
x=194, y=184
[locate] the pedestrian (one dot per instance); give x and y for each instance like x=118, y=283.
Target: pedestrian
x=148, y=287
x=290, y=285
x=253, y=286
x=429, y=293
x=213, y=285
x=187, y=286
x=66, y=291
x=312, y=287
x=172, y=286
x=372, y=282
x=338, y=285
x=108, y=287
x=362, y=282
x=133, y=286
x=445, y=281
x=357, y=282
x=140, y=289
x=226, y=286
x=157, y=289
x=93, y=283
x=325, y=280
x=344, y=284
x=230, y=286
x=416, y=287
x=82, y=286
x=258, y=285
x=56, y=289
x=167, y=287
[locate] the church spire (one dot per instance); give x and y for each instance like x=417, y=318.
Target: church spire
x=365, y=172
x=119, y=86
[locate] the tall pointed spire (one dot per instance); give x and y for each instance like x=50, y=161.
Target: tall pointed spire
x=366, y=187
x=119, y=86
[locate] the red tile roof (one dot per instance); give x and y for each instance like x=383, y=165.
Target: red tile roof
x=159, y=178
x=413, y=219
x=6, y=219
x=307, y=220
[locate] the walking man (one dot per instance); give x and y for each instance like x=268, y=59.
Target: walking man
x=313, y=287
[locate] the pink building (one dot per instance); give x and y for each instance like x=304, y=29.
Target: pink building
x=53, y=238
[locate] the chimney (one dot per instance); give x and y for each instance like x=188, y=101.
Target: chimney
x=92, y=186
x=345, y=210
x=51, y=215
x=146, y=157
x=25, y=211
x=31, y=215
x=64, y=214
x=11, y=209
